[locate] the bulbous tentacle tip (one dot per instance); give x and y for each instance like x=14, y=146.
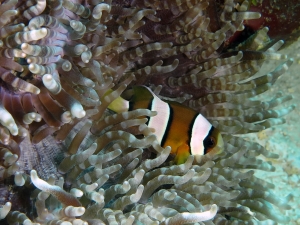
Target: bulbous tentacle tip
x=8, y=121
x=77, y=111
x=63, y=196
x=186, y=218
x=5, y=210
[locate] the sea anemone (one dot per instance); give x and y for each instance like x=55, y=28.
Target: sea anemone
x=63, y=63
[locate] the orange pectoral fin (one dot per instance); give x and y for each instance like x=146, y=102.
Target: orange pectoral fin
x=183, y=152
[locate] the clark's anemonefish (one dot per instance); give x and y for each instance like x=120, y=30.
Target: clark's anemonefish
x=175, y=125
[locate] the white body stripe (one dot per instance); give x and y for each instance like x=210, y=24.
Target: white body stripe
x=200, y=130
x=160, y=121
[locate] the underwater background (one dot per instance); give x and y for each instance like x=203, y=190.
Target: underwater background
x=284, y=140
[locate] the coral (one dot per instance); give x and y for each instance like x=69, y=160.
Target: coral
x=279, y=17
x=63, y=62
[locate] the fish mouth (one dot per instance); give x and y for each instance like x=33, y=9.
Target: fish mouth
x=219, y=148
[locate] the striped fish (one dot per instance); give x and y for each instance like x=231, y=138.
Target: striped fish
x=175, y=125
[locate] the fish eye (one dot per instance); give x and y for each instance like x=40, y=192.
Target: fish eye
x=210, y=142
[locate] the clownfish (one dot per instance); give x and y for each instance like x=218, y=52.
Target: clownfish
x=186, y=131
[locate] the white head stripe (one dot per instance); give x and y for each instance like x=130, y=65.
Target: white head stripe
x=200, y=130
x=160, y=121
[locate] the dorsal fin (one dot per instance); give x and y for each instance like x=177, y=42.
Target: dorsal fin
x=142, y=93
